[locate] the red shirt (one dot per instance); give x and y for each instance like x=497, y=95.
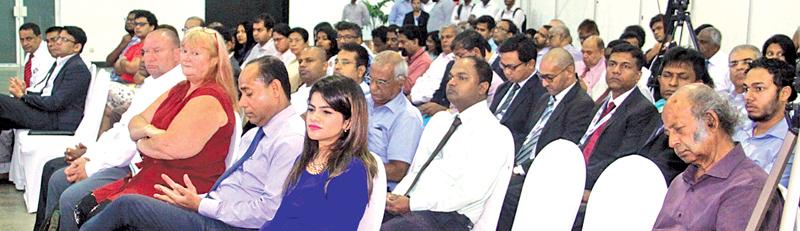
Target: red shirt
x=134, y=51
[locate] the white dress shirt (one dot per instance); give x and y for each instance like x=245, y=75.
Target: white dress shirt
x=429, y=82
x=259, y=51
x=466, y=11
x=718, y=69
x=509, y=14
x=300, y=98
x=41, y=63
x=602, y=86
x=489, y=9
x=463, y=175
x=115, y=148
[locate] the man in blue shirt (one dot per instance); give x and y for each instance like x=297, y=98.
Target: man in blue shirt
x=399, y=11
x=768, y=87
x=250, y=191
x=395, y=125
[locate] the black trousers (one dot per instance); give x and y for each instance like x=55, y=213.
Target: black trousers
x=427, y=220
x=49, y=168
x=16, y=114
x=509, y=210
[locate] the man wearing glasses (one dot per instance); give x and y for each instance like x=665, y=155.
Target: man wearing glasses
x=128, y=64
x=738, y=62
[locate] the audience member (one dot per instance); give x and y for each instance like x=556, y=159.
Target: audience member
x=739, y=61
x=586, y=29
x=429, y=82
x=395, y=125
x=228, y=36
x=590, y=70
x=560, y=37
x=128, y=39
x=542, y=38
x=433, y=45
x=485, y=8
x=504, y=30
x=193, y=22
x=262, y=34
x=381, y=37
x=37, y=58
x=441, y=13
x=451, y=194
x=353, y=62
x=484, y=25
x=298, y=41
x=244, y=41
x=416, y=17
x=356, y=12
x=411, y=41
x=638, y=31
x=312, y=66
x=280, y=37
x=709, y=41
x=515, y=14
x=631, y=38
x=398, y=11
x=325, y=38
x=559, y=114
x=719, y=189
x=347, y=33
x=780, y=47
x=462, y=12
x=330, y=183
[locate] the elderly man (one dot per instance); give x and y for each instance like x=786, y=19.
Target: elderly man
x=739, y=61
x=395, y=125
x=591, y=69
x=559, y=114
x=312, y=67
x=426, y=85
x=559, y=36
x=450, y=180
x=719, y=189
x=249, y=192
x=107, y=160
x=709, y=41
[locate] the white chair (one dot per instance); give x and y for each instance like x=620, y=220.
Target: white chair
x=373, y=214
x=551, y=194
x=31, y=151
x=784, y=193
x=233, y=150
x=491, y=208
x=627, y=196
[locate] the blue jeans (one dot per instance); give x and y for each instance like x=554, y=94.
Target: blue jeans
x=65, y=194
x=137, y=212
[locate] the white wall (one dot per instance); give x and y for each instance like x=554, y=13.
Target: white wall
x=103, y=20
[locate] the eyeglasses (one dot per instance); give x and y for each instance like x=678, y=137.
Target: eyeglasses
x=498, y=29
x=61, y=39
x=735, y=63
x=140, y=24
x=510, y=67
x=380, y=83
x=549, y=77
x=346, y=37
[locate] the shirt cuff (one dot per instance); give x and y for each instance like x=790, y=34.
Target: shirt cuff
x=419, y=204
x=208, y=207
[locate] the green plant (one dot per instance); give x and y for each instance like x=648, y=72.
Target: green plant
x=376, y=13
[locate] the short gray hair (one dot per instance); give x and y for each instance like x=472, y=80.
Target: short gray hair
x=563, y=30
x=705, y=99
x=746, y=47
x=454, y=27
x=392, y=58
x=716, y=36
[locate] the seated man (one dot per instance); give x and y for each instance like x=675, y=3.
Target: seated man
x=451, y=194
x=411, y=41
x=352, y=62
x=560, y=114
x=768, y=88
x=312, y=66
x=739, y=62
x=719, y=189
x=395, y=125
x=107, y=160
x=57, y=102
x=249, y=192
x=428, y=83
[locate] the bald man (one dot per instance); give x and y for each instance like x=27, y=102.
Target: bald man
x=312, y=64
x=593, y=64
x=562, y=113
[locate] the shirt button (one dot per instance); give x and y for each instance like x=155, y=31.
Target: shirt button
x=680, y=215
x=691, y=190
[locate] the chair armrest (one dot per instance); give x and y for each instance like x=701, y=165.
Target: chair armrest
x=50, y=133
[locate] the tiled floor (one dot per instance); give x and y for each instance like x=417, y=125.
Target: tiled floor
x=12, y=209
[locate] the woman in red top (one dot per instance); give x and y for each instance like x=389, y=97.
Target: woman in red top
x=185, y=131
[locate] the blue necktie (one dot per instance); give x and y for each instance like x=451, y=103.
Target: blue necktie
x=250, y=150
x=529, y=146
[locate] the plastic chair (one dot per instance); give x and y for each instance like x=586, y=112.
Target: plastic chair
x=551, y=194
x=373, y=214
x=233, y=150
x=784, y=193
x=627, y=196
x=493, y=205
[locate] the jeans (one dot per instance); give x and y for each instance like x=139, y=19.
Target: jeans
x=65, y=194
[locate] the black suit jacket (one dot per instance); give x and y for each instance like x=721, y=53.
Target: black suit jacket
x=440, y=95
x=68, y=97
x=622, y=134
x=519, y=111
x=656, y=148
x=423, y=20
x=498, y=69
x=568, y=121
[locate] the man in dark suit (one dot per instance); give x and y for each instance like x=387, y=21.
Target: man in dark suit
x=514, y=99
x=562, y=113
x=57, y=102
x=417, y=16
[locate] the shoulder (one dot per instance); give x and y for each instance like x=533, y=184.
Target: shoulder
x=748, y=174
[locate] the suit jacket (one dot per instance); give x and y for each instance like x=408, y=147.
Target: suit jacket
x=68, y=97
x=656, y=148
x=440, y=95
x=622, y=134
x=423, y=20
x=517, y=115
x=568, y=121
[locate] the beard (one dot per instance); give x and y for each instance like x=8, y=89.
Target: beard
x=768, y=113
x=404, y=52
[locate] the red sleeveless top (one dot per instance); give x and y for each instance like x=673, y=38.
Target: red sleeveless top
x=203, y=169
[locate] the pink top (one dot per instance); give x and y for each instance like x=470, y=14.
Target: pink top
x=593, y=75
x=418, y=63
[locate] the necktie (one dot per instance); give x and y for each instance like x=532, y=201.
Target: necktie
x=507, y=102
x=453, y=126
x=529, y=146
x=250, y=150
x=592, y=141
x=28, y=72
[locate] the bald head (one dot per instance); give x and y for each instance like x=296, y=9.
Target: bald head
x=312, y=64
x=557, y=71
x=557, y=22
x=558, y=56
x=170, y=36
x=592, y=50
x=315, y=52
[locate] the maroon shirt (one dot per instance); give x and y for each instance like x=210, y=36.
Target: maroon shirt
x=721, y=199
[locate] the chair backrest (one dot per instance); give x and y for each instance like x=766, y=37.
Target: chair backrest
x=373, y=214
x=551, y=194
x=627, y=196
x=784, y=192
x=493, y=205
x=93, y=109
x=236, y=139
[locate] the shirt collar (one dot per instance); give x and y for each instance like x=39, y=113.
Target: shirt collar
x=416, y=55
x=722, y=169
x=394, y=105
x=524, y=81
x=601, y=63
x=778, y=130
x=278, y=120
x=621, y=98
x=473, y=113
x=62, y=60
x=558, y=97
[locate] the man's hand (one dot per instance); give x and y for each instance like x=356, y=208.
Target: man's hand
x=76, y=171
x=16, y=87
x=178, y=195
x=430, y=108
x=74, y=153
x=397, y=204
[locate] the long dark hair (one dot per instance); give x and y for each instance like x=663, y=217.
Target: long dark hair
x=344, y=96
x=331, y=34
x=240, y=50
x=786, y=44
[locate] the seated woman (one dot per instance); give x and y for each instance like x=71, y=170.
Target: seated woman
x=330, y=183
x=186, y=131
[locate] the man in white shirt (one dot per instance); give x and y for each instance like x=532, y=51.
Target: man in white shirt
x=356, y=12
x=441, y=14
x=37, y=59
x=352, y=62
x=709, y=41
x=515, y=14
x=461, y=12
x=262, y=34
x=560, y=37
x=429, y=82
x=280, y=37
x=107, y=160
x=485, y=7
x=312, y=67
x=450, y=186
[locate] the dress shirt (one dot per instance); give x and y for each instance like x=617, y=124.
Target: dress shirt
x=300, y=98
x=593, y=75
x=45, y=86
x=576, y=53
x=489, y=9
x=427, y=7
x=356, y=13
x=418, y=63
x=463, y=175
x=596, y=119
x=394, y=130
x=286, y=57
x=601, y=86
x=763, y=149
x=518, y=18
x=718, y=69
x=745, y=124
x=429, y=82
x=364, y=87
x=115, y=148
x=41, y=63
x=259, y=51
x=466, y=11
x=721, y=199
x=556, y=100
x=540, y=55
x=440, y=15
x=509, y=97
x=252, y=193
x=399, y=10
